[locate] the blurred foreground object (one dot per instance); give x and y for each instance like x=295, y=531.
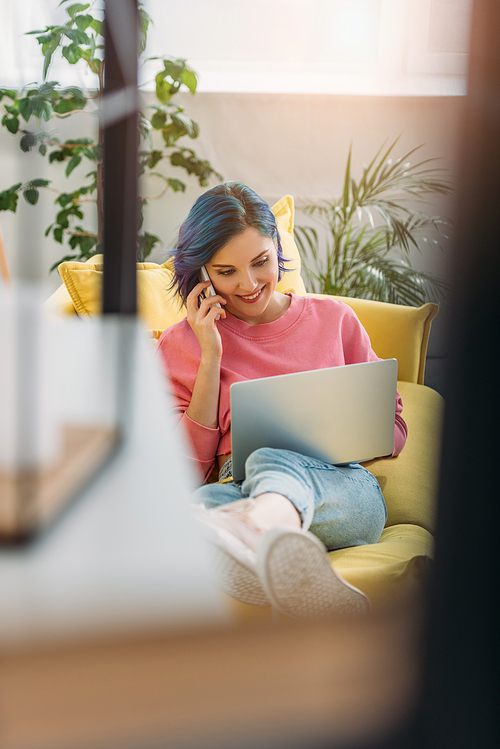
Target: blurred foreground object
x=460, y=695
x=332, y=684
x=41, y=466
x=4, y=265
x=126, y=552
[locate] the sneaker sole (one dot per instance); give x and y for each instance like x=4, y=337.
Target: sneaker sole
x=296, y=574
x=235, y=565
x=238, y=581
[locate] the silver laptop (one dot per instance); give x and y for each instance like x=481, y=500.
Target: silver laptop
x=339, y=415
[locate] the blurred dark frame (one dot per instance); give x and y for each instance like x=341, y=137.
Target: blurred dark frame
x=460, y=691
x=38, y=497
x=458, y=705
x=120, y=168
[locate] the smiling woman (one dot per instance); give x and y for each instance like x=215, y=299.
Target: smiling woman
x=217, y=217
x=247, y=330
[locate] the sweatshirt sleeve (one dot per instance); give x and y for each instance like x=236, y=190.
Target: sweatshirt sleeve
x=204, y=442
x=400, y=428
x=180, y=366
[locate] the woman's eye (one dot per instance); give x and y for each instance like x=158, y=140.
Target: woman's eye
x=230, y=271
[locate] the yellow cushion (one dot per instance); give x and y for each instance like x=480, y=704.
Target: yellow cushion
x=395, y=566
x=409, y=481
x=398, y=332
x=291, y=280
x=156, y=304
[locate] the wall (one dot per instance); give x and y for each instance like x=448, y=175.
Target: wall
x=298, y=144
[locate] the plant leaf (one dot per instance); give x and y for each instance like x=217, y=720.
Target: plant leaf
x=11, y=123
x=185, y=125
x=77, y=35
x=189, y=79
x=76, y=8
x=72, y=164
x=31, y=196
x=48, y=51
x=9, y=198
x=153, y=158
x=83, y=21
x=144, y=21
x=163, y=88
x=58, y=234
x=145, y=244
x=26, y=108
x=41, y=108
x=27, y=142
x=347, y=181
x=72, y=53
x=39, y=182
x=97, y=26
x=176, y=184
x=158, y=120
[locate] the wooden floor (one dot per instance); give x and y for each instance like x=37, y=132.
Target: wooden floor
x=255, y=685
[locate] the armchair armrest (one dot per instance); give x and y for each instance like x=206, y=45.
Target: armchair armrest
x=396, y=331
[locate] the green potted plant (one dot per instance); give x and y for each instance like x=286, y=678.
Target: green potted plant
x=162, y=133
x=369, y=231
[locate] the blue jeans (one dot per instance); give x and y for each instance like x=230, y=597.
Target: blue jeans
x=342, y=505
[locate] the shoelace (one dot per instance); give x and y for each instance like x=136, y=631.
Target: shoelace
x=226, y=471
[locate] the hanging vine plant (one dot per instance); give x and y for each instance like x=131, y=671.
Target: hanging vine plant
x=80, y=40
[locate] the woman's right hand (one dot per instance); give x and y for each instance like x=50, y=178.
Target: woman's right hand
x=203, y=320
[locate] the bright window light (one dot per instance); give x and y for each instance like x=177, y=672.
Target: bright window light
x=353, y=30
x=370, y=47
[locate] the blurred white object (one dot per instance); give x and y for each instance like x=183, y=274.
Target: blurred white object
x=30, y=435
x=127, y=553
x=86, y=369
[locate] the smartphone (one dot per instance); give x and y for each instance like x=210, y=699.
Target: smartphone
x=205, y=277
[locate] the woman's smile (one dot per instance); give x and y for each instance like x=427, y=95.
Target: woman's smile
x=251, y=298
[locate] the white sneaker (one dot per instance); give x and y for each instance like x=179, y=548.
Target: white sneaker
x=296, y=574
x=234, y=537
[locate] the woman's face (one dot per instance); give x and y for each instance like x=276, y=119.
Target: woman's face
x=245, y=272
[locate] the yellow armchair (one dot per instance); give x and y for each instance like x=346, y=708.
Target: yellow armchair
x=398, y=563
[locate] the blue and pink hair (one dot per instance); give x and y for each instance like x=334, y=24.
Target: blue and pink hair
x=215, y=218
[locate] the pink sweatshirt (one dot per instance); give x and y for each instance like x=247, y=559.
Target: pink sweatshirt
x=312, y=334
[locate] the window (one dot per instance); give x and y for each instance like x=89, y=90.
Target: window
x=387, y=47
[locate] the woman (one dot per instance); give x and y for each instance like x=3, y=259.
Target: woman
x=272, y=531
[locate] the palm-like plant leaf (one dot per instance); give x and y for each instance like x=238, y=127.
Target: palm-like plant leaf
x=369, y=221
